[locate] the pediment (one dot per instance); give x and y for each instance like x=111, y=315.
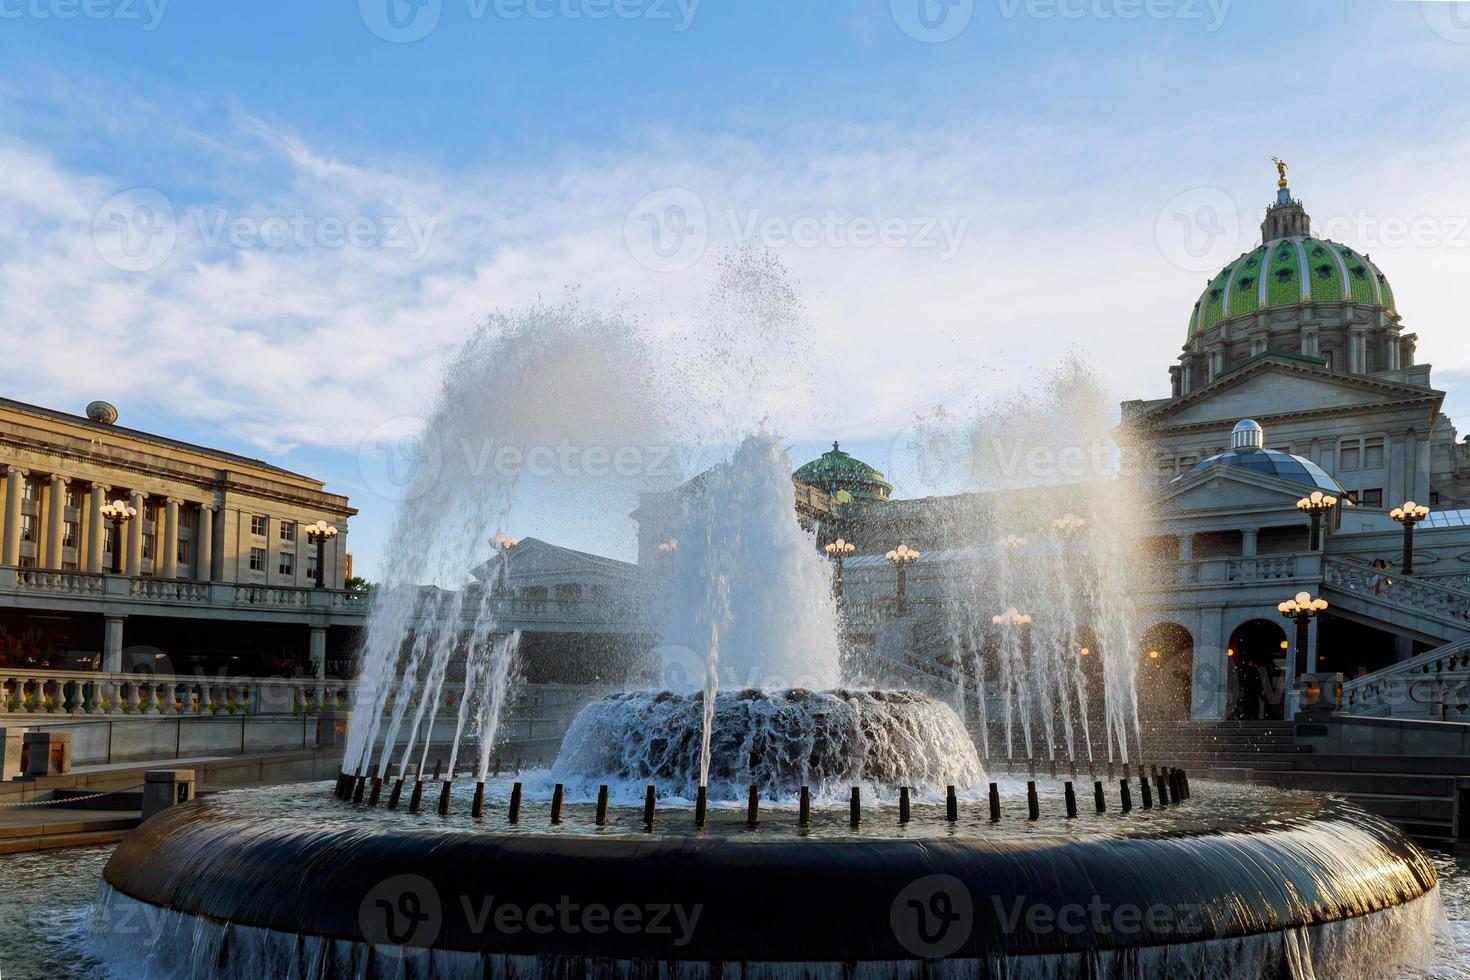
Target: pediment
x=1273, y=389
x=1226, y=489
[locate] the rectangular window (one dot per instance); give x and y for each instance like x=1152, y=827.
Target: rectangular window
x=288, y=563
x=69, y=566
x=1370, y=498
x=257, y=526
x=150, y=511
x=1349, y=457
x=27, y=561
x=148, y=547
x=311, y=564
x=183, y=553
x=257, y=559
x=69, y=532
x=73, y=499
x=29, y=492
x=109, y=539
x=27, y=527
x=1373, y=454
x=288, y=531
x=188, y=517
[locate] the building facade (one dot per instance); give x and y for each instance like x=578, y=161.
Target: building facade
x=116, y=539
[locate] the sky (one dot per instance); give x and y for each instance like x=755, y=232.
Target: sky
x=266, y=226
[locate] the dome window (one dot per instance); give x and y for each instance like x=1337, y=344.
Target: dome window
x=1215, y=293
x=1359, y=272
x=1324, y=271
x=1318, y=252
x=1245, y=281
x=1283, y=275
x=1252, y=263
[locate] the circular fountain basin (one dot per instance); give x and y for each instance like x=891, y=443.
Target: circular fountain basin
x=1256, y=883
x=777, y=740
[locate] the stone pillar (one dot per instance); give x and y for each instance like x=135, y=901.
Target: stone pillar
x=136, y=500
x=1186, y=547
x=1248, y=542
x=95, y=529
x=112, y=644
x=14, y=494
x=1212, y=667
x=47, y=753
x=163, y=788
x=204, y=561
x=319, y=652
x=55, y=516
x=170, y=538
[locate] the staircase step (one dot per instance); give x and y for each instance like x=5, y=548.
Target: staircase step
x=1374, y=783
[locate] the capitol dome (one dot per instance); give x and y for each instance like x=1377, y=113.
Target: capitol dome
x=837, y=473
x=1290, y=268
x=1247, y=451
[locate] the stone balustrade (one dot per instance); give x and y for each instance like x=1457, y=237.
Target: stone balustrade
x=48, y=586
x=1418, y=594
x=25, y=691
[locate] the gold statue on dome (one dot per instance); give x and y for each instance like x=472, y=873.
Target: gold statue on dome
x=1280, y=169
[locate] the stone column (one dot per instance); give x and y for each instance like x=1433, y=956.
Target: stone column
x=136, y=500
x=112, y=643
x=1186, y=547
x=319, y=652
x=1312, y=634
x=95, y=529
x=55, y=516
x=14, y=494
x=1212, y=666
x=1248, y=542
x=171, y=538
x=205, y=557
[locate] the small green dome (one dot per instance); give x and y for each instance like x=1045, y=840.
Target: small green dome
x=837, y=473
x=1290, y=272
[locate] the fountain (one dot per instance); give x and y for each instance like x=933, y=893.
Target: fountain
x=852, y=830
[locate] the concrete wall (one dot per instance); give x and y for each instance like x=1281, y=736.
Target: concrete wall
x=156, y=739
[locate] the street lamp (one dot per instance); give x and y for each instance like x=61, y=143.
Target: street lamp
x=1317, y=504
x=837, y=551
x=119, y=512
x=1301, y=609
x=1408, y=515
x=318, y=534
x=902, y=557
x=505, y=544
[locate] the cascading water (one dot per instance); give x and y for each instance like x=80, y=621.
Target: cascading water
x=1037, y=557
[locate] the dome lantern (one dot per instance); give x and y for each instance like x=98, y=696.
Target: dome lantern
x=844, y=478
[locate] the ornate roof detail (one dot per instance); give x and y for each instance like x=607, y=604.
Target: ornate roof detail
x=838, y=474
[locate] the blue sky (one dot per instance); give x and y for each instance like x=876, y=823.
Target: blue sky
x=1032, y=163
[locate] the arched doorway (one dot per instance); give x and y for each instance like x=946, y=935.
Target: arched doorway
x=1166, y=672
x=1258, y=655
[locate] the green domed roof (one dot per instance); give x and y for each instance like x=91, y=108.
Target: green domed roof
x=1289, y=272
x=836, y=473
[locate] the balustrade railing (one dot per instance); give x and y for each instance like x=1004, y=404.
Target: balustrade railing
x=140, y=588
x=1410, y=592
x=1434, y=684
x=88, y=693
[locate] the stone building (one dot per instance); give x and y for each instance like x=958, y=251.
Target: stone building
x=207, y=562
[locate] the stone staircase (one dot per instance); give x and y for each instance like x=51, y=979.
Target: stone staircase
x=1417, y=607
x=1416, y=792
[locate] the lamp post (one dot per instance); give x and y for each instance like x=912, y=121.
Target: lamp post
x=1408, y=515
x=119, y=512
x=1302, y=609
x=505, y=544
x=902, y=557
x=1316, y=504
x=318, y=534
x=837, y=551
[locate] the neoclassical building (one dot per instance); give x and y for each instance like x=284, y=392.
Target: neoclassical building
x=120, y=540
x=1302, y=336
